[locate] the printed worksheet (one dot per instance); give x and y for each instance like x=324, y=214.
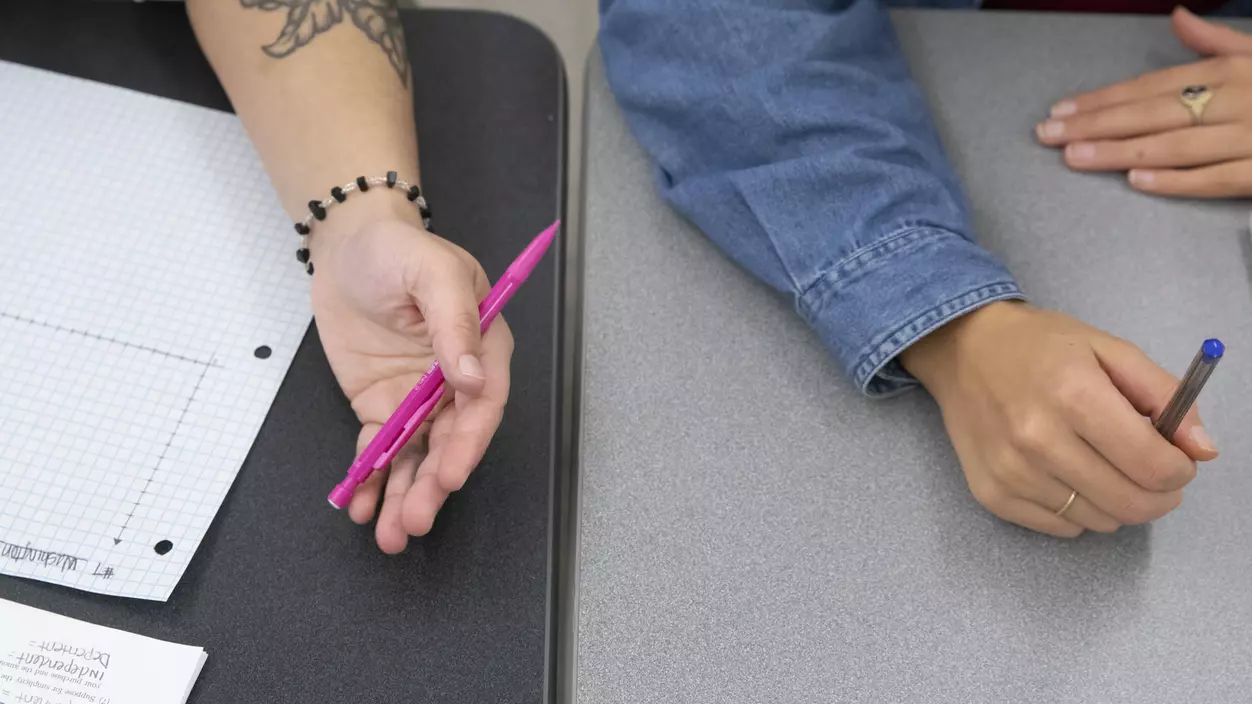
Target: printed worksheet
x=50, y=659
x=150, y=304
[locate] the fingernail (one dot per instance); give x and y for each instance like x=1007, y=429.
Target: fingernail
x=1080, y=151
x=1201, y=437
x=1141, y=178
x=470, y=366
x=1065, y=108
x=1051, y=129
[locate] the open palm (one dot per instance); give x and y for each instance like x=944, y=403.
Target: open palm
x=389, y=299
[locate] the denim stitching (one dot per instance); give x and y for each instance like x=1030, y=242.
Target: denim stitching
x=866, y=259
x=877, y=354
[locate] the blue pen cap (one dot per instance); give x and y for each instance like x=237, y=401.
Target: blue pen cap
x=1212, y=350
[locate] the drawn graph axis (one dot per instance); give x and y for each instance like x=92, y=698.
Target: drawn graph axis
x=156, y=467
x=101, y=338
x=205, y=366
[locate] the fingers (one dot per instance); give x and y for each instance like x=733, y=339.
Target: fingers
x=478, y=417
x=1005, y=505
x=1230, y=180
x=365, y=498
x=1033, y=516
x=1162, y=113
x=1031, y=481
x=390, y=532
x=443, y=287
x=1052, y=494
x=1198, y=146
x=1148, y=388
x=1103, y=416
x=1158, y=83
x=426, y=496
x=1078, y=466
x=1207, y=38
x=1194, y=439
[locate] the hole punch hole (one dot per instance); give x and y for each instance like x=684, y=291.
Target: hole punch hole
x=263, y=352
x=163, y=547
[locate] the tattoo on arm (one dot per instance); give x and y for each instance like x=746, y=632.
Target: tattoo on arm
x=377, y=19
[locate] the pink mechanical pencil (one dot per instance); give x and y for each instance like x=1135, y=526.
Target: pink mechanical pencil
x=425, y=396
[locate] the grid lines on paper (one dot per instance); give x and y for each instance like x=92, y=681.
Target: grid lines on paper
x=130, y=307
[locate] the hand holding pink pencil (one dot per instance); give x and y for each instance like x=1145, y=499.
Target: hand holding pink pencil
x=421, y=401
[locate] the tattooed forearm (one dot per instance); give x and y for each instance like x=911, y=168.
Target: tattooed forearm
x=377, y=19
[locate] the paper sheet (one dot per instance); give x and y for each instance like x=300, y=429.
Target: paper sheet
x=150, y=304
x=50, y=659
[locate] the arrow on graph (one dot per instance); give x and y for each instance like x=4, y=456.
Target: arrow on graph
x=165, y=450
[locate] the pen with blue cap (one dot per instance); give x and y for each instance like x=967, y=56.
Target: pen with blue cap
x=1189, y=389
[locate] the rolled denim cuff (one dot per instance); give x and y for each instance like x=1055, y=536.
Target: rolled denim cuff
x=873, y=305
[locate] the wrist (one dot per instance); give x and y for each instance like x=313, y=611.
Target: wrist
x=932, y=358
x=359, y=209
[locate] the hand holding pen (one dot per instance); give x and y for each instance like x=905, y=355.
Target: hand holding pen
x=1047, y=415
x=413, y=496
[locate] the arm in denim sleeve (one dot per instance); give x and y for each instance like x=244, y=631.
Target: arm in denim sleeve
x=792, y=134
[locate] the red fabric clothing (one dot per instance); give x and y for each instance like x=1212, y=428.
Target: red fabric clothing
x=1129, y=6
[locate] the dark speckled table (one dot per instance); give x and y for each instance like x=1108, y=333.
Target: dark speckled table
x=292, y=601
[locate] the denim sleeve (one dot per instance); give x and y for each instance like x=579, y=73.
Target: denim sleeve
x=792, y=134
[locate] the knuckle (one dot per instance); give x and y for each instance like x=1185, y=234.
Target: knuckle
x=1031, y=432
x=1140, y=508
x=465, y=322
x=990, y=494
x=1133, y=512
x=1073, y=392
x=1013, y=472
x=1105, y=526
x=1233, y=65
x=1070, y=531
x=1169, y=474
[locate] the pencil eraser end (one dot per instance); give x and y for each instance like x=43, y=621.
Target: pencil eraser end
x=1213, y=349
x=339, y=497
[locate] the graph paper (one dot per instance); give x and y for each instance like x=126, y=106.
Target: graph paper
x=150, y=305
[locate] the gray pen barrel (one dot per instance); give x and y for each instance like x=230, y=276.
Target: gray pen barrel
x=1188, y=391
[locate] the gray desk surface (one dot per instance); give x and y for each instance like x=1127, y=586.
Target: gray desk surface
x=292, y=601
x=753, y=530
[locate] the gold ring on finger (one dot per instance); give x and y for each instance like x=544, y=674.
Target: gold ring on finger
x=1196, y=99
x=1073, y=494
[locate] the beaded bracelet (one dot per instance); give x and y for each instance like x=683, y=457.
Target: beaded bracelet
x=338, y=194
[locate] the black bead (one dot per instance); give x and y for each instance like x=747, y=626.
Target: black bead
x=391, y=179
x=362, y=184
x=316, y=208
x=302, y=228
x=337, y=193
x=414, y=193
x=309, y=268
x=302, y=255
x=425, y=213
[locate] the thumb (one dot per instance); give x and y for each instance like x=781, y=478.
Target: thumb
x=1208, y=38
x=1149, y=388
x=444, y=292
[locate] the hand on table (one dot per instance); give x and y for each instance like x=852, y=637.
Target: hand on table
x=1142, y=127
x=1038, y=404
x=389, y=298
